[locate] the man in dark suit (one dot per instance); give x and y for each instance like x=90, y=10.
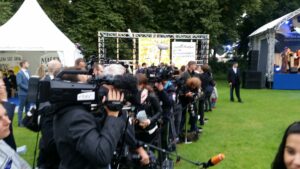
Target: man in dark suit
x=22, y=82
x=234, y=81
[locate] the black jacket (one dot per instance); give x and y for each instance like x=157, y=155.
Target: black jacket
x=207, y=83
x=10, y=140
x=152, y=108
x=234, y=78
x=186, y=75
x=84, y=141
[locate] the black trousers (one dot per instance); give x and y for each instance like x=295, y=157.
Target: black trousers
x=201, y=111
x=235, y=87
x=177, y=117
x=207, y=102
x=192, y=117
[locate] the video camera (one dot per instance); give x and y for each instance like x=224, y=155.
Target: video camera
x=90, y=63
x=90, y=94
x=158, y=74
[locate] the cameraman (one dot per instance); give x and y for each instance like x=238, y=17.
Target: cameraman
x=184, y=92
x=166, y=75
x=86, y=140
x=188, y=96
x=48, y=156
x=97, y=69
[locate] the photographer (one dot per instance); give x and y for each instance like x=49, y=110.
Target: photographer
x=170, y=106
x=185, y=95
x=87, y=139
x=48, y=156
x=207, y=86
x=188, y=96
x=97, y=69
x=146, y=124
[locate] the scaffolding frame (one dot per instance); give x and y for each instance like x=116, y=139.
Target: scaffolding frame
x=201, y=54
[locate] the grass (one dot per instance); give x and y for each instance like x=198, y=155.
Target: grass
x=248, y=133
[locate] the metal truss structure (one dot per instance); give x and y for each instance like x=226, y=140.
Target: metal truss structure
x=201, y=40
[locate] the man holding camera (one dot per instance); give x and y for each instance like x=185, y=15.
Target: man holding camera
x=87, y=139
x=187, y=93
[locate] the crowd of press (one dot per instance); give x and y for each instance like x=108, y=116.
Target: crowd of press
x=138, y=120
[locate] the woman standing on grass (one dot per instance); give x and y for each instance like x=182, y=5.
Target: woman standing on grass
x=288, y=155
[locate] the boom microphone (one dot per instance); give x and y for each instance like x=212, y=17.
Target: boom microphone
x=214, y=160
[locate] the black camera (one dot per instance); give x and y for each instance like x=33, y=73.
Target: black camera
x=158, y=74
x=60, y=91
x=90, y=63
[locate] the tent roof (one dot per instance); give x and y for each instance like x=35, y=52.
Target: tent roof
x=275, y=24
x=30, y=29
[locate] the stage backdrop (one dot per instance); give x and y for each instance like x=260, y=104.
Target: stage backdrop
x=150, y=53
x=12, y=59
x=183, y=52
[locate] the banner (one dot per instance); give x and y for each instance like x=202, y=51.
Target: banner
x=10, y=62
x=12, y=59
x=183, y=52
x=48, y=57
x=154, y=50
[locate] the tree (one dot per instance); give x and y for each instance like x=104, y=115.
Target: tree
x=6, y=11
x=222, y=19
x=185, y=16
x=265, y=12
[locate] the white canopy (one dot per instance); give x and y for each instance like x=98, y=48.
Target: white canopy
x=30, y=29
x=275, y=24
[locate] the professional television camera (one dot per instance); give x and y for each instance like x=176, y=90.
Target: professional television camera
x=64, y=92
x=158, y=74
x=90, y=63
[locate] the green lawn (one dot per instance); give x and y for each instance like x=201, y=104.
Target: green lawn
x=248, y=133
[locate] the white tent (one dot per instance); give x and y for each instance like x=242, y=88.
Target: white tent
x=30, y=30
x=264, y=41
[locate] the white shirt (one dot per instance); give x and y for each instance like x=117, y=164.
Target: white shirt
x=51, y=77
x=26, y=73
x=234, y=70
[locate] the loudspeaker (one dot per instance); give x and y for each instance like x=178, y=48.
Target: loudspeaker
x=253, y=80
x=293, y=70
x=253, y=60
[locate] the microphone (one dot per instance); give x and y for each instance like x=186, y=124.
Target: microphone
x=214, y=160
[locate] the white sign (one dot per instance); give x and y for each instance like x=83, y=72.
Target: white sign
x=48, y=57
x=183, y=52
x=10, y=62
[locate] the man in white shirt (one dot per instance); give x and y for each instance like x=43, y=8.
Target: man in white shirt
x=234, y=81
x=22, y=82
